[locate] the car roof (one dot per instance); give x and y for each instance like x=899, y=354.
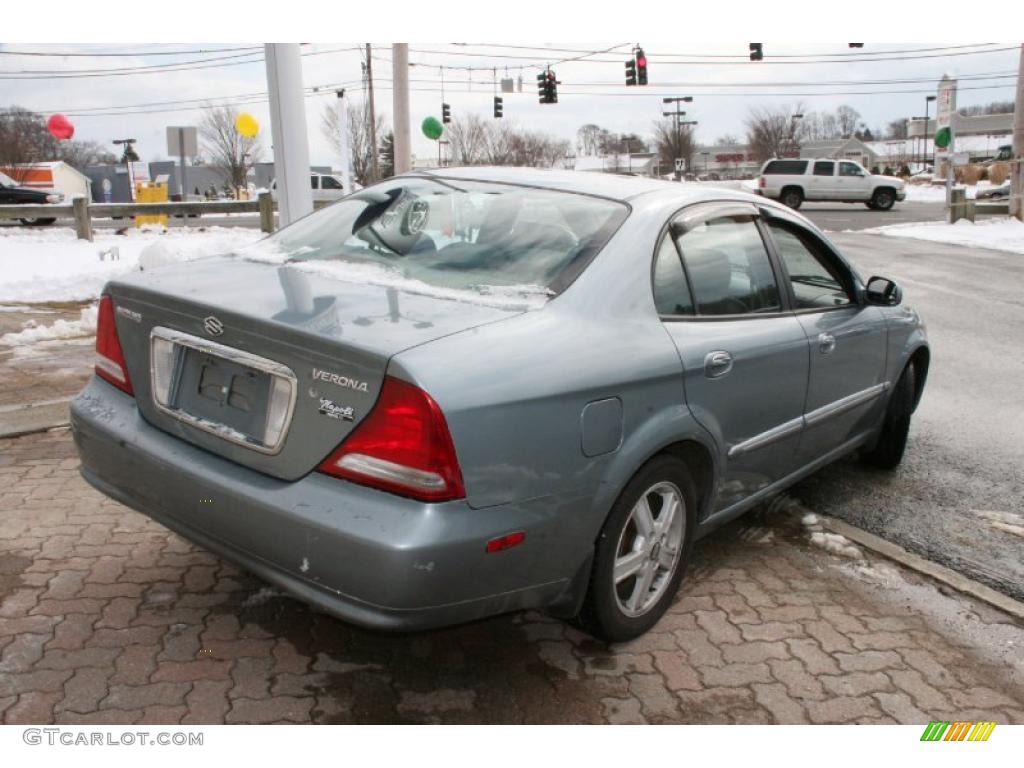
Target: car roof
x=582, y=182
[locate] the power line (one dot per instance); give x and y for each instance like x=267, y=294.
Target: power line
x=98, y=54
x=154, y=68
x=733, y=56
x=663, y=58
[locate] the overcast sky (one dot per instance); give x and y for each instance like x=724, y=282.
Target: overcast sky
x=592, y=91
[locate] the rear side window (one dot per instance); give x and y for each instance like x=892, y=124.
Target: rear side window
x=671, y=290
x=824, y=168
x=790, y=167
x=728, y=267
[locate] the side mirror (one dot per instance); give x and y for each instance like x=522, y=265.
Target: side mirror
x=883, y=292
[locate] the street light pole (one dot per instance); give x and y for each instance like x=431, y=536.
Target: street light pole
x=676, y=116
x=924, y=133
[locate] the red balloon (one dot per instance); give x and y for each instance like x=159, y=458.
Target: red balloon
x=60, y=127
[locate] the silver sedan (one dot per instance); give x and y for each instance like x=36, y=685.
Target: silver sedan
x=460, y=393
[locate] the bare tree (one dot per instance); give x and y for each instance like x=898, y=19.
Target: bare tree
x=670, y=144
x=772, y=132
x=588, y=139
x=847, y=120
x=727, y=138
x=897, y=129
x=80, y=154
x=358, y=129
x=24, y=139
x=227, y=151
x=468, y=139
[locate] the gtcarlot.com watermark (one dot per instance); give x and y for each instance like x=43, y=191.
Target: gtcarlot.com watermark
x=78, y=738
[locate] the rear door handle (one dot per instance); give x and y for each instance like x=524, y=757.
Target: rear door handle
x=826, y=343
x=717, y=364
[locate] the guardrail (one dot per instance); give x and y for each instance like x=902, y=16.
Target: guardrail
x=83, y=211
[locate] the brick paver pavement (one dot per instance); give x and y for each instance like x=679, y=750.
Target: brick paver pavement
x=106, y=617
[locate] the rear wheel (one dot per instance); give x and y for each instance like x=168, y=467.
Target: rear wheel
x=892, y=442
x=642, y=552
x=792, y=197
x=883, y=199
x=870, y=204
x=37, y=222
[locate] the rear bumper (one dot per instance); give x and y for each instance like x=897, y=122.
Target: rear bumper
x=368, y=557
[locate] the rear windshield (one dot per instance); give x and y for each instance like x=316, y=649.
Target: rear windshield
x=458, y=234
x=786, y=166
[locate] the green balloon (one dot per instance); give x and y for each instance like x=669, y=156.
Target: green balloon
x=432, y=128
x=942, y=138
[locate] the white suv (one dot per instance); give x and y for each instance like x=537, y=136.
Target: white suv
x=793, y=181
x=325, y=187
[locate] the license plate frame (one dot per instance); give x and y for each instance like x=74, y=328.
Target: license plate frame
x=190, y=351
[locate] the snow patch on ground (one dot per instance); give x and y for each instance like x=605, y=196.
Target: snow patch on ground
x=261, y=596
x=48, y=348
x=51, y=264
x=85, y=325
x=836, y=544
x=1007, y=522
x=998, y=233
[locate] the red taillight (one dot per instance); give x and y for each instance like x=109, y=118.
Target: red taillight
x=761, y=182
x=402, y=446
x=110, y=363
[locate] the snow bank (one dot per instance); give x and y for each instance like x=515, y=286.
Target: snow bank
x=51, y=264
x=999, y=234
x=936, y=193
x=85, y=325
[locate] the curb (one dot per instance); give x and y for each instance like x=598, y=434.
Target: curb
x=34, y=417
x=940, y=573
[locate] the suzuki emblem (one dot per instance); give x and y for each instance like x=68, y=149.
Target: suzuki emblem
x=213, y=326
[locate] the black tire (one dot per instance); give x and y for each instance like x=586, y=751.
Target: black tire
x=792, y=197
x=871, y=204
x=37, y=222
x=892, y=441
x=602, y=614
x=883, y=199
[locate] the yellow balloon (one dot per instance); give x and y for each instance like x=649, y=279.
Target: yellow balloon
x=247, y=125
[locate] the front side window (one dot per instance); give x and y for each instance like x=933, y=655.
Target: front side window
x=454, y=234
x=329, y=182
x=824, y=168
x=671, y=290
x=728, y=267
x=816, y=284
x=850, y=169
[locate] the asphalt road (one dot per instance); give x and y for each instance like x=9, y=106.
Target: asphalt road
x=839, y=217
x=964, y=467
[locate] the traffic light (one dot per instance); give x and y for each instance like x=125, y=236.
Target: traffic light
x=641, y=66
x=631, y=72
x=547, y=87
x=446, y=113
x=499, y=105
x=756, y=51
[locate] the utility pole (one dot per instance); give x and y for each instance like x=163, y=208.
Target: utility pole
x=1017, y=166
x=288, y=130
x=346, y=152
x=400, y=101
x=374, y=170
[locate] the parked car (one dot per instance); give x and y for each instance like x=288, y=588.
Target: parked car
x=794, y=181
x=1002, y=192
x=12, y=193
x=324, y=186
x=472, y=391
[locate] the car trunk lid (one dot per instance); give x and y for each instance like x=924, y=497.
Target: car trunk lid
x=238, y=341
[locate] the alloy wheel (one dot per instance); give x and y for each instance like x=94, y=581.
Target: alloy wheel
x=649, y=548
